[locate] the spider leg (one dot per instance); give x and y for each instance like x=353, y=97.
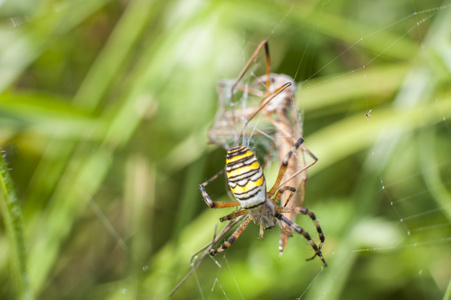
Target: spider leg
x=299, y=230
x=207, y=199
x=284, y=166
x=234, y=215
x=281, y=191
x=292, y=190
x=304, y=168
x=305, y=211
x=232, y=238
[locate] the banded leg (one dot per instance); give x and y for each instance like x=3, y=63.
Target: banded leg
x=293, y=226
x=234, y=215
x=207, y=199
x=281, y=191
x=283, y=168
x=232, y=238
x=305, y=211
x=315, y=159
x=304, y=149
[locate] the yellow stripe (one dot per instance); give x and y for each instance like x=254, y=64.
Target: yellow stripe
x=243, y=169
x=238, y=157
x=249, y=186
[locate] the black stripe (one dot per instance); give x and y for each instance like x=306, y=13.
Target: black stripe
x=250, y=196
x=248, y=179
x=237, y=151
x=232, y=165
x=242, y=176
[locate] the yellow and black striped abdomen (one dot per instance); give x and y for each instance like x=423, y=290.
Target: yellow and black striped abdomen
x=245, y=177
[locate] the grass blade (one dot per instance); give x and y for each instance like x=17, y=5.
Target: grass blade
x=12, y=216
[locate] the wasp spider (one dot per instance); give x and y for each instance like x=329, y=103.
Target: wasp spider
x=247, y=182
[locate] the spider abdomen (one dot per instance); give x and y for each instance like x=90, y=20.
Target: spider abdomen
x=245, y=177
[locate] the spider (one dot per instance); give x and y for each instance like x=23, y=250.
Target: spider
x=247, y=183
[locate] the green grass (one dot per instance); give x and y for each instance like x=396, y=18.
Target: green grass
x=12, y=216
x=104, y=112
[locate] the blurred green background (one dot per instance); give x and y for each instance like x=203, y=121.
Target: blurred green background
x=104, y=112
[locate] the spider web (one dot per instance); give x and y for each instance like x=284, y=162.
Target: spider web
x=400, y=207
